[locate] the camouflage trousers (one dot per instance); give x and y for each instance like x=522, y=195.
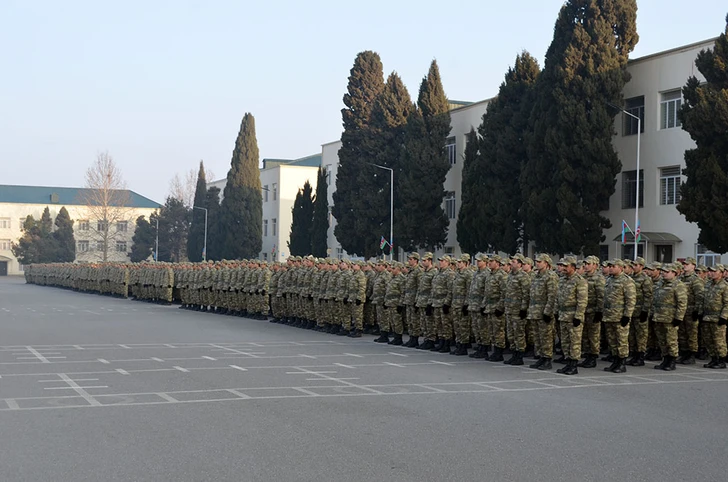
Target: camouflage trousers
x=357, y=315
x=480, y=328
x=532, y=336
x=369, y=313
x=571, y=338
x=443, y=323
x=617, y=338
x=516, y=332
x=651, y=337
x=714, y=339
x=497, y=330
x=638, y=333
x=396, y=324
x=412, y=317
x=687, y=334
x=667, y=338
x=342, y=315
x=461, y=324
x=383, y=318
x=275, y=305
x=324, y=312
x=591, y=335
x=544, y=338
x=427, y=325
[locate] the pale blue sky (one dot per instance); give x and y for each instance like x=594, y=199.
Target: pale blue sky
x=162, y=84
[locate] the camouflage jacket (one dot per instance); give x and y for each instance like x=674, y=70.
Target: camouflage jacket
x=476, y=290
x=394, y=294
x=595, y=286
x=424, y=287
x=461, y=287
x=573, y=298
x=543, y=292
x=715, y=302
x=643, y=291
x=619, y=298
x=441, y=293
x=670, y=301
x=517, y=292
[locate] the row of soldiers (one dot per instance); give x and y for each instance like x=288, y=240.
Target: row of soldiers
x=498, y=303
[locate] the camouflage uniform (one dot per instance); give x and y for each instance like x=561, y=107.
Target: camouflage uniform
x=460, y=290
x=410, y=297
x=639, y=329
x=474, y=302
x=357, y=297
x=687, y=334
x=393, y=303
x=669, y=302
x=619, y=302
x=494, y=308
x=714, y=319
x=573, y=298
x=516, y=304
x=378, y=292
x=542, y=307
x=594, y=311
x=441, y=301
x=422, y=302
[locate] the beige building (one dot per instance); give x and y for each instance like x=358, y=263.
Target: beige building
x=18, y=202
x=280, y=180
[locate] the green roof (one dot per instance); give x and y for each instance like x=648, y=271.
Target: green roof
x=61, y=196
x=308, y=161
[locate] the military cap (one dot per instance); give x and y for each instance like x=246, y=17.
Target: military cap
x=639, y=261
x=445, y=257
x=544, y=257
x=716, y=267
x=498, y=258
x=701, y=268
x=605, y=263
x=333, y=261
x=310, y=257
x=414, y=255
x=465, y=258
x=591, y=260
x=690, y=260
x=428, y=255
x=616, y=262
x=568, y=260
x=654, y=265
x=481, y=257
x=580, y=264
x=669, y=267
x=528, y=260
x=519, y=257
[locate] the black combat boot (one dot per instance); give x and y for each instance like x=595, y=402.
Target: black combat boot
x=529, y=352
x=445, y=348
x=639, y=360
x=564, y=368
x=670, y=365
x=460, y=350
x=562, y=360
x=397, y=340
x=438, y=345
x=721, y=363
x=545, y=364
x=355, y=333
x=427, y=345
x=497, y=355
x=383, y=337
x=688, y=358
x=653, y=354
x=519, y=358
x=571, y=369
x=615, y=363
x=589, y=362
x=342, y=331
x=478, y=353
x=538, y=364
x=665, y=361
x=413, y=342
x=631, y=358
x=712, y=363
x=620, y=367
x=514, y=356
x=609, y=358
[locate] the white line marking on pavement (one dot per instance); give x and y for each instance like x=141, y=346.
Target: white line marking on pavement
x=394, y=364
x=441, y=363
x=78, y=347
x=345, y=366
x=352, y=354
x=398, y=354
x=239, y=368
x=125, y=346
x=12, y=404
x=251, y=355
x=544, y=383
x=307, y=372
x=485, y=385
x=106, y=362
x=181, y=369
x=156, y=359
x=307, y=392
x=307, y=356
x=37, y=355
x=73, y=388
x=167, y=397
x=209, y=358
x=91, y=400
x=437, y=390
x=89, y=311
x=122, y=371
x=334, y=379
x=168, y=345
x=237, y=393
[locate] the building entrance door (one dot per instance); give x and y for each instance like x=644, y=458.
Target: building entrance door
x=3, y=268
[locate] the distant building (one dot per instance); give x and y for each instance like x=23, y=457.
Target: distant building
x=280, y=180
x=18, y=202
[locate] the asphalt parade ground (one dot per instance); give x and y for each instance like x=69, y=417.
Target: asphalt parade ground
x=95, y=388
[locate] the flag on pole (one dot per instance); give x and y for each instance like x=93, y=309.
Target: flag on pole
x=382, y=243
x=638, y=232
x=273, y=251
x=625, y=228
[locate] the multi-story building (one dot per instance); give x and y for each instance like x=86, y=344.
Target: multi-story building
x=280, y=181
x=18, y=202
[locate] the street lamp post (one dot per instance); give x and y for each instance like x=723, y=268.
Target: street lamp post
x=637, y=177
x=204, y=247
x=391, y=208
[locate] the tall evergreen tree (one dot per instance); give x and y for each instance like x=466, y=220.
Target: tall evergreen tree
x=196, y=237
x=65, y=242
x=703, y=115
x=490, y=214
x=424, y=166
x=354, y=228
x=174, y=219
x=29, y=249
x=301, y=226
x=241, y=211
x=572, y=164
x=320, y=223
x=214, y=236
x=46, y=223
x=143, y=240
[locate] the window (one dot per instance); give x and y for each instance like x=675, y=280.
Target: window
x=669, y=107
x=450, y=204
x=121, y=226
x=339, y=253
x=4, y=223
x=628, y=250
x=328, y=174
x=100, y=246
x=451, y=150
x=635, y=106
x=265, y=193
x=121, y=246
x=449, y=250
x=670, y=185
x=705, y=256
x=265, y=227
x=603, y=252
x=4, y=245
x=629, y=188
x=275, y=191
x=83, y=225
x=21, y=267
x=102, y=226
x=663, y=253
x=273, y=226
x=82, y=246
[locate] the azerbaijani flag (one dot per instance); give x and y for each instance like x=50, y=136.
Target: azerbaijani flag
x=382, y=243
x=625, y=228
x=638, y=233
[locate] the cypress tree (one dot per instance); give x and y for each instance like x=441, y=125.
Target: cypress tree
x=354, y=228
x=320, y=223
x=490, y=215
x=46, y=223
x=173, y=229
x=143, y=240
x=703, y=115
x=214, y=237
x=572, y=164
x=300, y=238
x=241, y=211
x=64, y=241
x=470, y=235
x=196, y=237
x=28, y=249
x=424, y=166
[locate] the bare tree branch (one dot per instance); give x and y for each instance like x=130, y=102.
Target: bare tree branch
x=183, y=188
